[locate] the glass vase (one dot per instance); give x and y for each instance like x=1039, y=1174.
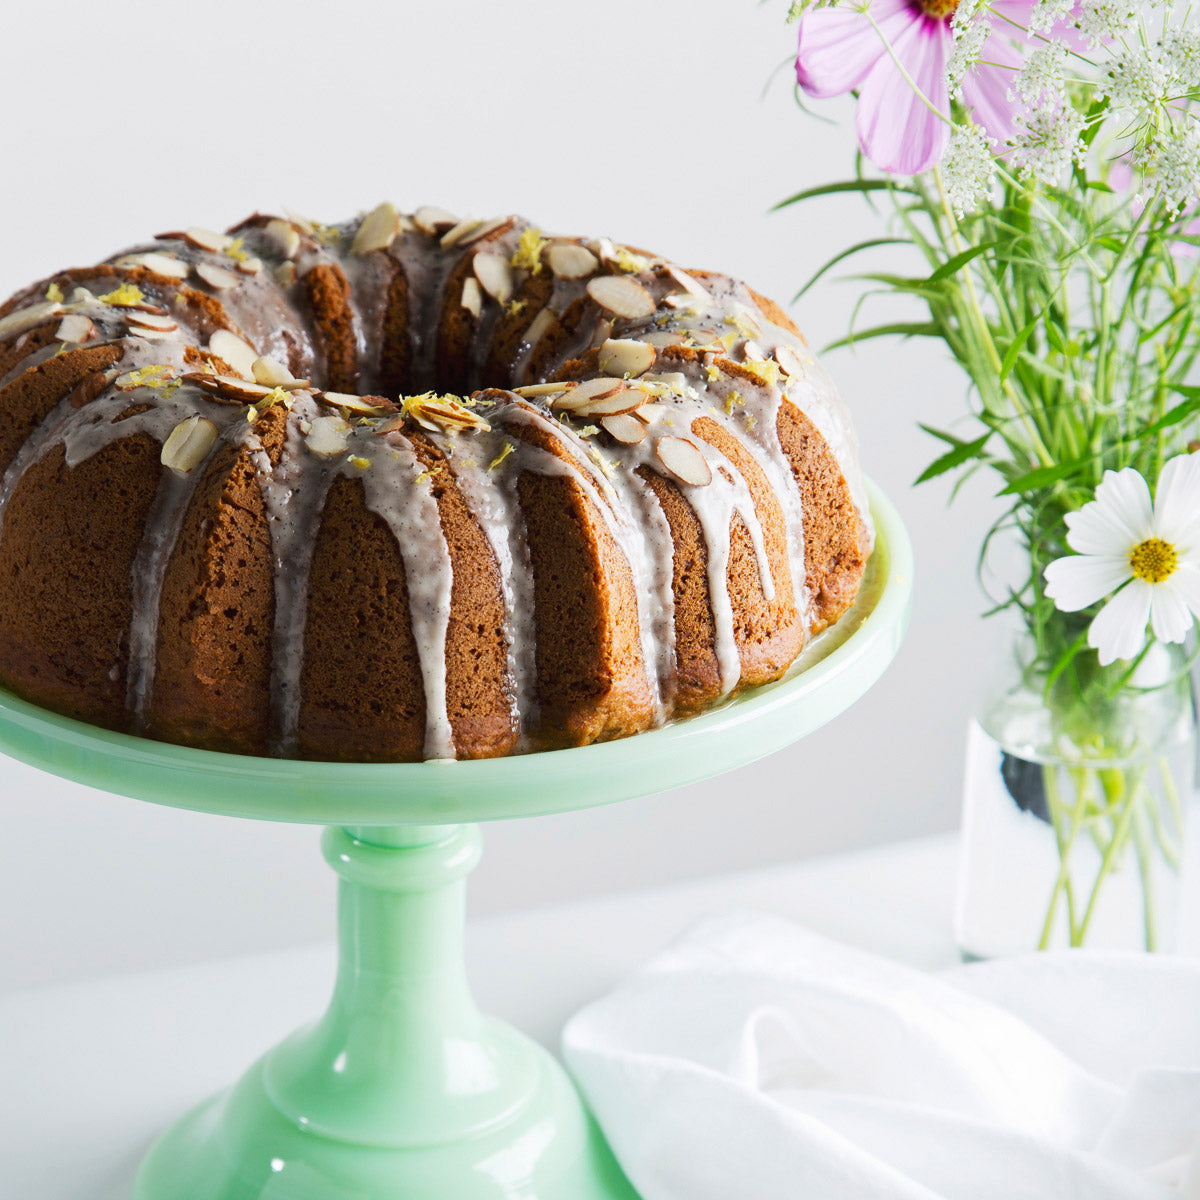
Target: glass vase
x=1075, y=805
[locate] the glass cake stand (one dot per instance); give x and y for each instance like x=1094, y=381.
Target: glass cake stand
x=403, y=1090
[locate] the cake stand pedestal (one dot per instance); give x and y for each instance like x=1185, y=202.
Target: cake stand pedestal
x=403, y=1090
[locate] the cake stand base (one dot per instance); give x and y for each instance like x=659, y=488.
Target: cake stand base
x=402, y=1089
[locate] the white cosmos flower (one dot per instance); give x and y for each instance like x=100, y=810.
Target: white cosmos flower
x=1148, y=554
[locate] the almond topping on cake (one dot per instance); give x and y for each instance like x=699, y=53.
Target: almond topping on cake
x=626, y=356
x=275, y=374
x=25, y=319
x=216, y=277
x=283, y=236
x=433, y=220
x=75, y=327
x=494, y=274
x=188, y=444
x=472, y=297
x=377, y=231
x=621, y=295
x=625, y=428
x=206, y=239
x=789, y=360
x=570, y=261
x=684, y=460
x=327, y=436
x=237, y=353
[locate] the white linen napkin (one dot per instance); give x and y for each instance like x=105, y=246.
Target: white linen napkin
x=754, y=1060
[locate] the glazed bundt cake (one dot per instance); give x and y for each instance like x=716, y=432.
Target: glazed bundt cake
x=410, y=487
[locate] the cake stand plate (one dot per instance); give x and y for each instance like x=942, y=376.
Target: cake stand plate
x=403, y=1089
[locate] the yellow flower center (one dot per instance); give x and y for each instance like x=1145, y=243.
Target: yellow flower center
x=1153, y=560
x=938, y=8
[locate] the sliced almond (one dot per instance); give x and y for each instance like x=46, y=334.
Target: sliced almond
x=282, y=236
x=753, y=352
x=626, y=356
x=216, y=277
x=75, y=327
x=571, y=261
x=238, y=354
x=683, y=459
x=206, y=239
x=377, y=231
x=601, y=334
x=160, y=264
x=442, y=414
x=603, y=249
x=625, y=427
x=285, y=274
x=352, y=403
x=390, y=425
x=789, y=360
x=541, y=325
x=188, y=444
x=587, y=391
x=533, y=390
x=228, y=386
x=472, y=297
x=162, y=322
x=663, y=337
x=251, y=265
x=327, y=436
x=274, y=374
x=481, y=230
x=621, y=295
x=28, y=318
x=433, y=221
x=627, y=400
x=689, y=284
x=494, y=274
x=456, y=233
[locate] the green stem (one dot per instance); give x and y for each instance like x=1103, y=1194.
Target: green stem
x=1065, y=844
x=1113, y=780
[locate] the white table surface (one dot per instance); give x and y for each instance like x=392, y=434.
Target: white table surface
x=91, y=1073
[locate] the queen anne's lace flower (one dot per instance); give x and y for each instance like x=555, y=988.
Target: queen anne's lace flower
x=1171, y=166
x=1147, y=554
x=1041, y=80
x=1047, y=14
x=971, y=29
x=1102, y=20
x=1179, y=54
x=1048, y=144
x=1135, y=81
x=968, y=170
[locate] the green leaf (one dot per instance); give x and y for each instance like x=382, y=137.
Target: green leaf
x=941, y=435
x=844, y=254
x=1042, y=477
x=862, y=186
x=1174, y=416
x=900, y=329
x=1014, y=350
x=961, y=453
x=952, y=265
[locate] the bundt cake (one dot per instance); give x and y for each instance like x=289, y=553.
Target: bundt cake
x=410, y=487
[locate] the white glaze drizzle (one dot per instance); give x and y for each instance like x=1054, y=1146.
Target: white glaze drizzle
x=397, y=487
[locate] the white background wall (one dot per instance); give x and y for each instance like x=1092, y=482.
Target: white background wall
x=637, y=118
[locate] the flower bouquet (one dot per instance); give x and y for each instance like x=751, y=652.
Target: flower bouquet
x=1042, y=159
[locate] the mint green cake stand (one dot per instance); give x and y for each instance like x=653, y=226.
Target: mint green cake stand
x=403, y=1090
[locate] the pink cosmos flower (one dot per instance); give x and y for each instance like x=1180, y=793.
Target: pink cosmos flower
x=840, y=50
